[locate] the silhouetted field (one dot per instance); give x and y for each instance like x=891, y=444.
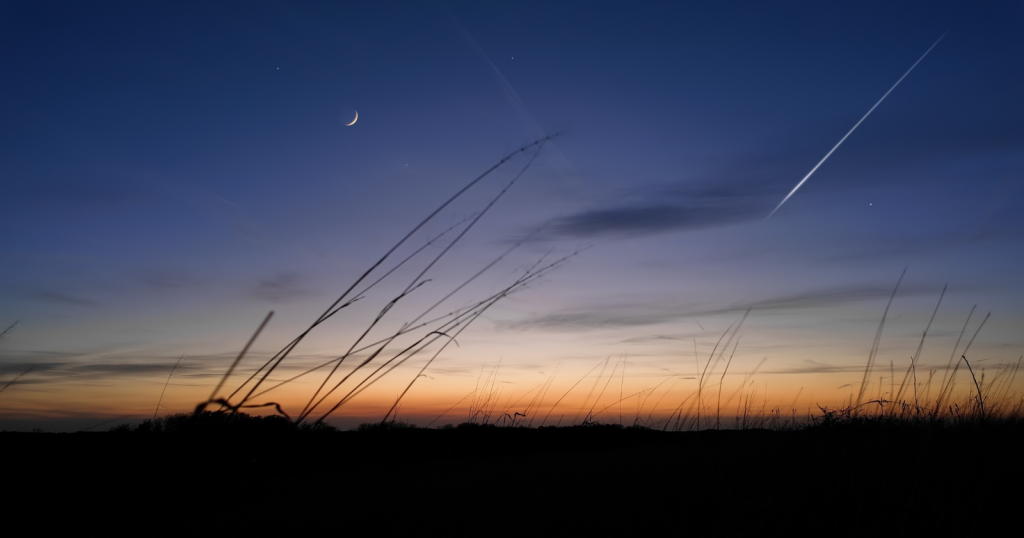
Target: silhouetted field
x=922, y=459
x=851, y=478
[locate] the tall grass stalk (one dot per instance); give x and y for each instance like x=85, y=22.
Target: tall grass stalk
x=559, y=400
x=337, y=305
x=444, y=327
x=877, y=341
x=952, y=377
x=164, y=390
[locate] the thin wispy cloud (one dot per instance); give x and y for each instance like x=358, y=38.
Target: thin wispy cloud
x=659, y=338
x=643, y=314
x=63, y=298
x=166, y=279
x=280, y=288
x=117, y=367
x=813, y=367
x=90, y=192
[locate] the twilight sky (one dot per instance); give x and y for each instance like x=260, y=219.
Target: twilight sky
x=173, y=172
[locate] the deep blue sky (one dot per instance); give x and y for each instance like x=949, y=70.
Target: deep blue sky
x=172, y=171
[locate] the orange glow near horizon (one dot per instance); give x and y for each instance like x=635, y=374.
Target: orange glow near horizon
x=561, y=397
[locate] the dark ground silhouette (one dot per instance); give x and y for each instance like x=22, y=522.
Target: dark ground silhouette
x=841, y=481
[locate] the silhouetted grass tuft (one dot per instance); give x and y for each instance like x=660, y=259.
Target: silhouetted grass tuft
x=222, y=423
x=390, y=425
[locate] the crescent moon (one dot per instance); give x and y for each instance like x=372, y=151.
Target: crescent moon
x=354, y=120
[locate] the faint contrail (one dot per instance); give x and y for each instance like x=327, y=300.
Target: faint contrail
x=854, y=127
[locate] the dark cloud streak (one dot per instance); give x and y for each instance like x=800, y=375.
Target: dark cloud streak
x=638, y=315
x=62, y=298
x=280, y=288
x=677, y=208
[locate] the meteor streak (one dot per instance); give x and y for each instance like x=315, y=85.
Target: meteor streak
x=854, y=128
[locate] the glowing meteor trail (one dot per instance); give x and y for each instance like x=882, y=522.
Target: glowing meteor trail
x=854, y=128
